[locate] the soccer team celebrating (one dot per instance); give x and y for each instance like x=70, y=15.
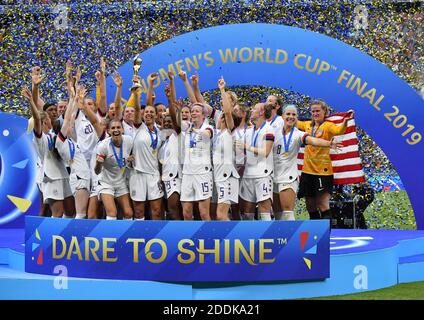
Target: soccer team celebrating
x=180, y=161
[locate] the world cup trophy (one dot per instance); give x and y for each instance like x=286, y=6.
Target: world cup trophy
x=137, y=61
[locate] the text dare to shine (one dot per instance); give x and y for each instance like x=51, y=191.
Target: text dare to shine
x=254, y=252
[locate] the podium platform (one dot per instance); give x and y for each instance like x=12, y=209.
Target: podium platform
x=360, y=260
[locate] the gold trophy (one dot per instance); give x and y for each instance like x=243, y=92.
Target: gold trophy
x=137, y=61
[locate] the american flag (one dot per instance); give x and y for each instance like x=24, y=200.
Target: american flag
x=347, y=166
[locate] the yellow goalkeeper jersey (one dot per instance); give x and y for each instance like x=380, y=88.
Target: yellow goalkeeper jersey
x=317, y=159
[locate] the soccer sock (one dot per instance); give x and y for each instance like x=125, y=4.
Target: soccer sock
x=278, y=215
x=80, y=216
x=128, y=218
x=326, y=214
x=248, y=216
x=265, y=216
x=139, y=219
x=288, y=215
x=110, y=218
x=314, y=215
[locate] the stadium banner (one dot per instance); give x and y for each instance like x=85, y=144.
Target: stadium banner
x=182, y=251
x=386, y=107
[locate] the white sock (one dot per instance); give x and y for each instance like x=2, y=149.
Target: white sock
x=288, y=215
x=128, y=218
x=248, y=216
x=80, y=216
x=140, y=219
x=278, y=215
x=110, y=218
x=265, y=216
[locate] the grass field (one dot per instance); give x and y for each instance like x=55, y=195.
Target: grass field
x=403, y=291
x=389, y=210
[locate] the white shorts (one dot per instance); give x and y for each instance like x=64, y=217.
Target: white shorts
x=172, y=186
x=56, y=189
x=256, y=190
x=39, y=178
x=94, y=190
x=145, y=186
x=77, y=183
x=115, y=190
x=196, y=187
x=226, y=191
x=294, y=185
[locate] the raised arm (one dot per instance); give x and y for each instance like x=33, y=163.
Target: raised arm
x=34, y=111
x=118, y=82
x=37, y=78
x=68, y=77
x=227, y=108
x=102, y=83
x=150, y=95
x=69, y=113
x=195, y=83
x=172, y=86
x=137, y=108
x=187, y=86
x=171, y=108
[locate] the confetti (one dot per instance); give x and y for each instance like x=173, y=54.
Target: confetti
x=48, y=33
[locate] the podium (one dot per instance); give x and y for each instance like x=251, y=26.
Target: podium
x=343, y=214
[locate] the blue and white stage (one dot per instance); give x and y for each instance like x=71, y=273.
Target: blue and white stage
x=360, y=260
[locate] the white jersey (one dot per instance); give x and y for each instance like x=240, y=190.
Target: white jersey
x=145, y=149
x=169, y=157
x=197, y=149
x=223, y=156
x=277, y=123
x=39, y=171
x=129, y=130
x=285, y=162
x=86, y=135
x=258, y=166
x=73, y=156
x=94, y=176
x=53, y=168
x=111, y=173
x=239, y=134
x=215, y=115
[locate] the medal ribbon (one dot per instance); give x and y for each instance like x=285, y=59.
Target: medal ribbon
x=50, y=142
x=192, y=137
x=119, y=160
x=275, y=118
x=255, y=136
x=287, y=144
x=71, y=146
x=154, y=142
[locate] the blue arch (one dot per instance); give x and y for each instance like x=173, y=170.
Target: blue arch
x=276, y=48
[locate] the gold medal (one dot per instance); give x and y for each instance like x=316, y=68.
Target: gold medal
x=121, y=170
x=154, y=152
x=71, y=161
x=286, y=154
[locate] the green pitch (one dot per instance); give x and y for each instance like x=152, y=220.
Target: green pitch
x=389, y=210
x=403, y=291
